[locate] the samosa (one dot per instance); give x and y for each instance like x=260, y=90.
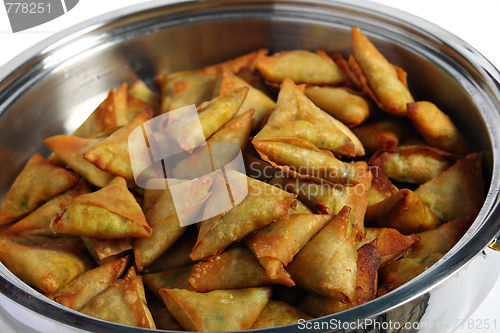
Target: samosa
x=403, y=270
x=262, y=205
x=38, y=182
x=109, y=213
x=85, y=287
x=124, y=302
x=295, y=116
x=112, y=154
x=302, y=159
x=104, y=116
x=436, y=127
x=173, y=279
x=234, y=268
x=441, y=239
x=218, y=310
x=71, y=149
x=404, y=211
x=382, y=134
x=278, y=313
x=38, y=222
x=46, y=267
x=384, y=82
x=333, y=251
x=168, y=218
x=302, y=67
x=185, y=128
x=391, y=244
x=208, y=158
x=457, y=191
x=256, y=99
x=277, y=244
x=349, y=108
x=414, y=165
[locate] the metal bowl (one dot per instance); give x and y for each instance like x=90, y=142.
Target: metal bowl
x=52, y=87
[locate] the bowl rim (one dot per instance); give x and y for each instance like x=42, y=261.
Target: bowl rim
x=469, y=247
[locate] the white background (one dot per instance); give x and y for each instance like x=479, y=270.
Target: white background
x=476, y=22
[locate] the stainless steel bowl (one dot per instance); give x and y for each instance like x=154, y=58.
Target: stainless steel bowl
x=53, y=86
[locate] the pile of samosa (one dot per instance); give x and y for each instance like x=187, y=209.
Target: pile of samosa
x=353, y=190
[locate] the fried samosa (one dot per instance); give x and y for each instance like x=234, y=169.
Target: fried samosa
x=38, y=222
x=441, y=239
x=277, y=244
x=109, y=213
x=457, y=191
x=235, y=268
x=86, y=286
x=385, y=83
x=391, y=244
x=176, y=278
x=296, y=116
x=382, y=134
x=414, y=165
x=302, y=67
x=436, y=128
x=332, y=244
x=255, y=99
x=164, y=216
x=349, y=108
x=302, y=159
x=262, y=205
x=404, y=211
x=104, y=116
x=70, y=150
x=112, y=154
x=403, y=270
x=38, y=182
x=209, y=158
x=340, y=274
x=124, y=302
x=185, y=88
x=218, y=310
x=368, y=263
x=46, y=267
x=278, y=313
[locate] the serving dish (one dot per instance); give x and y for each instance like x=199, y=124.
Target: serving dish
x=52, y=88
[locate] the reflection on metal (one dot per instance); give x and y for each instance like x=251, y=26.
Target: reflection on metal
x=494, y=245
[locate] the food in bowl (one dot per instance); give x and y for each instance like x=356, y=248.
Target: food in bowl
x=329, y=221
